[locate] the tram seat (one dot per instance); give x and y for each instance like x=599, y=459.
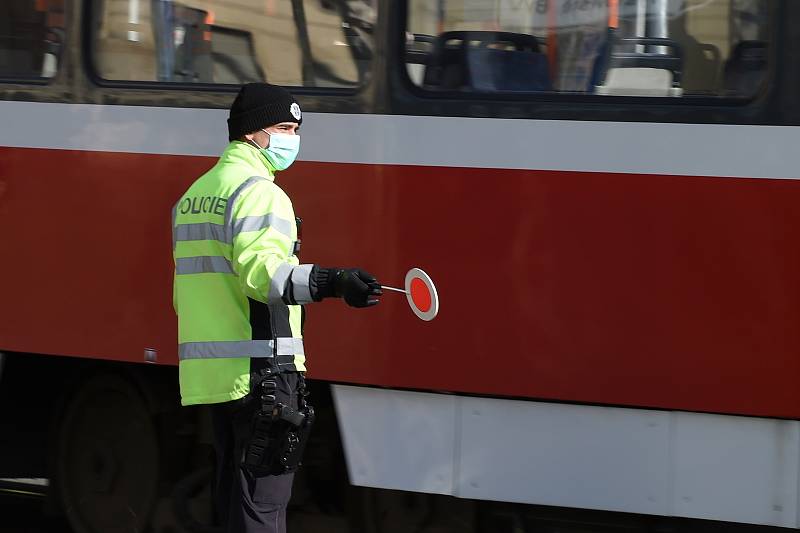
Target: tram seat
x=508, y=70
x=487, y=61
x=744, y=71
x=630, y=81
x=702, y=67
x=445, y=68
x=641, y=73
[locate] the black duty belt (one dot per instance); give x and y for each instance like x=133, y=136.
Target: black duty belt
x=279, y=433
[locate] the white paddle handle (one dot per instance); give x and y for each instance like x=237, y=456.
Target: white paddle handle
x=393, y=289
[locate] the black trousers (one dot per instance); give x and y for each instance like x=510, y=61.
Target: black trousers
x=248, y=503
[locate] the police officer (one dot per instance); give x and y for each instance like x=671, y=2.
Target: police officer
x=238, y=292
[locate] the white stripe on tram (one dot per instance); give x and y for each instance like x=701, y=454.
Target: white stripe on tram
x=667, y=463
x=614, y=147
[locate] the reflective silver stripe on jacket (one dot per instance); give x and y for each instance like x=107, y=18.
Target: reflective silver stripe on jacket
x=223, y=349
x=258, y=223
x=290, y=346
x=208, y=231
x=200, y=231
x=227, y=349
x=232, y=200
x=279, y=281
x=203, y=264
x=286, y=275
x=301, y=290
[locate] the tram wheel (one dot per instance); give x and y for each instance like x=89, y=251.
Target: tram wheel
x=107, y=458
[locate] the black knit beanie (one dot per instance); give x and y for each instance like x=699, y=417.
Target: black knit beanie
x=260, y=105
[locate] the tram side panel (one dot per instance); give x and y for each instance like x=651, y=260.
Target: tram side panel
x=676, y=289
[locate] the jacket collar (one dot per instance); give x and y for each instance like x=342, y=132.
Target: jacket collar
x=242, y=153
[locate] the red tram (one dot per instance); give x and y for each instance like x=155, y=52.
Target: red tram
x=604, y=191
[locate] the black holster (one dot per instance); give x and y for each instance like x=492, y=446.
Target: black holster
x=279, y=433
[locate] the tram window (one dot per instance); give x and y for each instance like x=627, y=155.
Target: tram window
x=668, y=48
x=312, y=43
x=31, y=37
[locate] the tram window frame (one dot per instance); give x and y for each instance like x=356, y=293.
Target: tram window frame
x=776, y=9
x=8, y=79
x=92, y=72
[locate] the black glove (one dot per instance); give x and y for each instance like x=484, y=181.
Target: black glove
x=356, y=287
x=352, y=284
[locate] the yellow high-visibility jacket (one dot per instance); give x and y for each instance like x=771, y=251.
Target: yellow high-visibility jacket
x=238, y=288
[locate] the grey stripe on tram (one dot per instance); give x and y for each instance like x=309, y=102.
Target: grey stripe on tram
x=225, y=349
x=202, y=265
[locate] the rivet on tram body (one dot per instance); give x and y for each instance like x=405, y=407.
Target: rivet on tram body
x=150, y=355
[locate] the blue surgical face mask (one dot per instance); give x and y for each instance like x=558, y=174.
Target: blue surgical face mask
x=282, y=149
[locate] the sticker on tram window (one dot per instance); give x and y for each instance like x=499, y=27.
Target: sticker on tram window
x=31, y=38
x=657, y=48
x=311, y=43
